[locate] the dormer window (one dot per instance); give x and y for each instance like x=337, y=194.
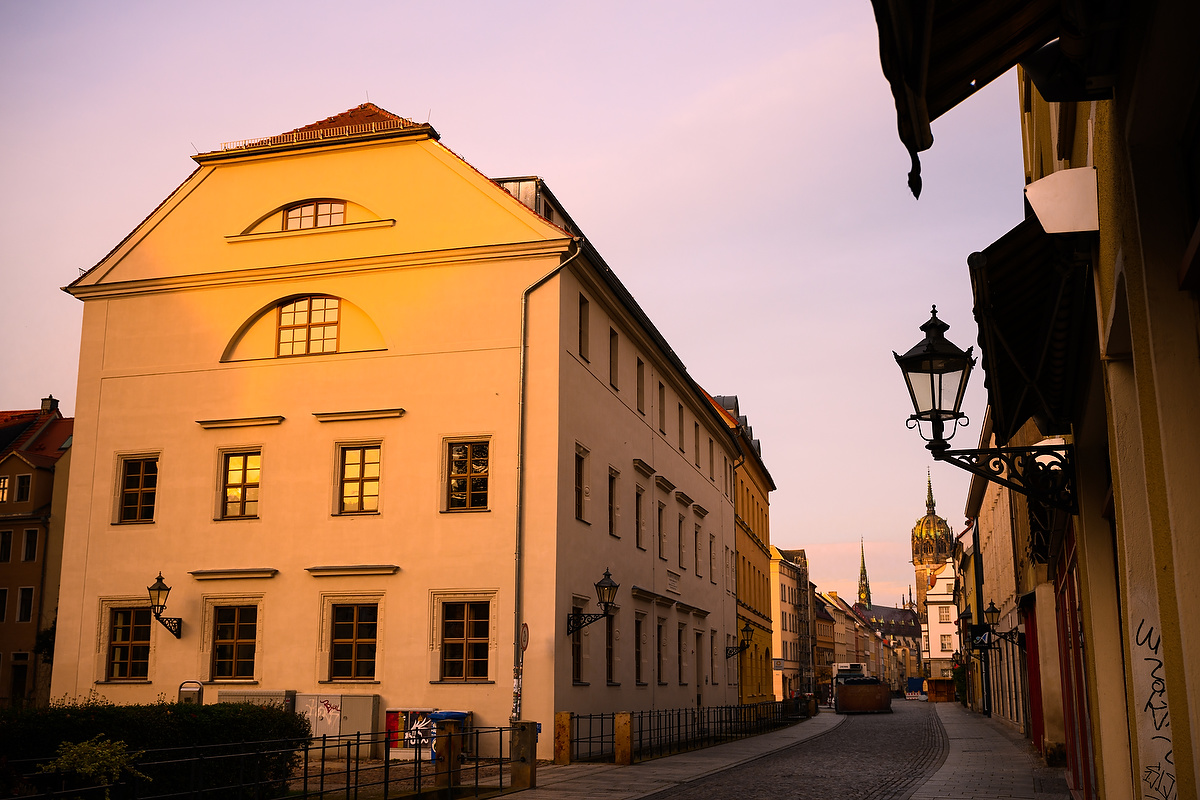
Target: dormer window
x=308, y=325
x=314, y=215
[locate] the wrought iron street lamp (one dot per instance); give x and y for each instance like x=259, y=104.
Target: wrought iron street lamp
x=936, y=372
x=606, y=594
x=158, y=604
x=744, y=644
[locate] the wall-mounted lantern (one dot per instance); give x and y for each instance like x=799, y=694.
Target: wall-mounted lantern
x=606, y=594
x=158, y=604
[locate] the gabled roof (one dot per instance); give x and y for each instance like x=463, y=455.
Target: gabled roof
x=35, y=436
x=365, y=114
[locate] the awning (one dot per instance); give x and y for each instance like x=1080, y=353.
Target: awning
x=1033, y=304
x=937, y=53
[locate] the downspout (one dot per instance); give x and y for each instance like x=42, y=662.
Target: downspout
x=518, y=555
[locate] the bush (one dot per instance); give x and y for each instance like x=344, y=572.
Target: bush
x=168, y=733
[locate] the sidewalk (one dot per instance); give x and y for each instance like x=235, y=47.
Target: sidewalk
x=988, y=761
x=588, y=781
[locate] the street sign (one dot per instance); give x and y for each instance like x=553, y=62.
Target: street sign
x=524, y=636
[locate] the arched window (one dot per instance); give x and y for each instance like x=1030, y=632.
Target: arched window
x=318, y=214
x=308, y=325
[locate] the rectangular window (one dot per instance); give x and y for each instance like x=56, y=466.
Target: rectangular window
x=682, y=445
x=239, y=484
x=612, y=503
x=697, y=552
x=359, y=489
x=129, y=645
x=943, y=613
x=5, y=546
x=3, y=604
x=679, y=540
x=308, y=325
x=580, y=480
x=662, y=533
x=946, y=645
x=660, y=647
x=584, y=324
x=4, y=486
x=139, y=488
x=681, y=646
x=662, y=408
x=712, y=656
x=465, y=641
x=641, y=386
x=614, y=345
x=352, y=647
x=638, y=675
x=24, y=483
x=314, y=215
x=725, y=473
x=712, y=560
x=712, y=475
x=467, y=476
x=609, y=672
x=696, y=441
x=639, y=522
x=25, y=604
x=235, y=635
x=29, y=551
x=577, y=647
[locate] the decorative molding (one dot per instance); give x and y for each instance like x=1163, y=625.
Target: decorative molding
x=339, y=570
x=639, y=593
x=239, y=422
x=349, y=226
x=673, y=582
x=688, y=609
x=700, y=510
x=643, y=467
x=233, y=574
x=345, y=416
x=664, y=484
x=683, y=498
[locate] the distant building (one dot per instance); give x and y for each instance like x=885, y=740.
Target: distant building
x=899, y=628
x=791, y=594
x=34, y=462
x=933, y=548
x=823, y=624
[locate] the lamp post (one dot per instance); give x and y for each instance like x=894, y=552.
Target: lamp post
x=936, y=373
x=744, y=644
x=606, y=593
x=158, y=604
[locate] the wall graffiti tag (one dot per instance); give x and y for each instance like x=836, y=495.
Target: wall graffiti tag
x=1158, y=773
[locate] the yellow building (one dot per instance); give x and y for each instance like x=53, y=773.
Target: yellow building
x=753, y=485
x=1089, y=315
x=382, y=423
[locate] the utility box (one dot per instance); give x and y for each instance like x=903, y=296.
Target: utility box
x=280, y=698
x=342, y=715
x=191, y=693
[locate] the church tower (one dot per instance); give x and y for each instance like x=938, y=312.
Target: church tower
x=864, y=585
x=932, y=545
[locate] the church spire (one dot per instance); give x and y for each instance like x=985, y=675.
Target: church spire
x=929, y=504
x=864, y=585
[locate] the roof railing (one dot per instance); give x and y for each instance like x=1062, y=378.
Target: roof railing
x=321, y=133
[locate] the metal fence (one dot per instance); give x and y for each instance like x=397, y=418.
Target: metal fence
x=662, y=732
x=328, y=767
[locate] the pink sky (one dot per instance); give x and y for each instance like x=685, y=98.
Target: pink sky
x=738, y=167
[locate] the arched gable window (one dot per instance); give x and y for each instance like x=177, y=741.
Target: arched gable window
x=308, y=325
x=317, y=214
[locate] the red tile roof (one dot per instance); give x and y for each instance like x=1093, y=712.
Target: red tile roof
x=364, y=114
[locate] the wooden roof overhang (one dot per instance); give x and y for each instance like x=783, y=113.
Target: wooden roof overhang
x=937, y=53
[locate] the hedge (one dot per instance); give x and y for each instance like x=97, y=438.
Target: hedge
x=36, y=734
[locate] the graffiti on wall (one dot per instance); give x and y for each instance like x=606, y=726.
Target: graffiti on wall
x=1154, y=723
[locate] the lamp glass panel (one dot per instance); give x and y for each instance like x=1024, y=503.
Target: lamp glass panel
x=920, y=387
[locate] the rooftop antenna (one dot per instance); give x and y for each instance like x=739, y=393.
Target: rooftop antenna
x=193, y=144
x=428, y=114
x=368, y=93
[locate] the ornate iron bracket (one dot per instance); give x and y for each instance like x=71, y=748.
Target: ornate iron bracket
x=985, y=638
x=1044, y=473
x=730, y=652
x=578, y=621
x=173, y=624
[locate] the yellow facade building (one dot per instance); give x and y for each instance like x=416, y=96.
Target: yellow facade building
x=381, y=423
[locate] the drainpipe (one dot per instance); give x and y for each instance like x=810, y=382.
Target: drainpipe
x=518, y=555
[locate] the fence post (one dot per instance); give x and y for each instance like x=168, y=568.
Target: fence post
x=562, y=737
x=623, y=738
x=448, y=747
x=522, y=752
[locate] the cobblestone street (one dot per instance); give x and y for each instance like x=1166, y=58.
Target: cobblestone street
x=923, y=751
x=868, y=756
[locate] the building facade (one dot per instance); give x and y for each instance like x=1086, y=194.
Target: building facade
x=382, y=423
x=792, y=601
x=34, y=464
